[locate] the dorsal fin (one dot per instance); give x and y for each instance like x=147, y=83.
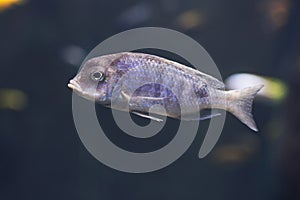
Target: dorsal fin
x=211, y=81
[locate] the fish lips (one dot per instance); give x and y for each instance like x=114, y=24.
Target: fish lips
x=75, y=86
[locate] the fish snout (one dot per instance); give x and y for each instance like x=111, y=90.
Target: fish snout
x=82, y=90
x=74, y=85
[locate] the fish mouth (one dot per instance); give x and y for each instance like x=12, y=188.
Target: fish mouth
x=74, y=85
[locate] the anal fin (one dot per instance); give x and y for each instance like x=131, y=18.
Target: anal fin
x=147, y=116
x=204, y=117
x=209, y=116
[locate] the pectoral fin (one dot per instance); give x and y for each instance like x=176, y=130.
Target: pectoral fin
x=147, y=116
x=127, y=97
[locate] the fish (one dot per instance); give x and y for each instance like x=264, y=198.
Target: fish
x=135, y=82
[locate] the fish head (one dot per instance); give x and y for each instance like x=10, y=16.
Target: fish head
x=96, y=79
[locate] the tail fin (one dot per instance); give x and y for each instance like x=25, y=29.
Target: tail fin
x=240, y=104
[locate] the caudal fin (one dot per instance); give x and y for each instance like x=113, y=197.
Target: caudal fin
x=240, y=104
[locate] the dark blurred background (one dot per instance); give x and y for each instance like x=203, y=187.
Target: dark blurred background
x=42, y=44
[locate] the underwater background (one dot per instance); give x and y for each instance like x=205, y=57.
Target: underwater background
x=42, y=45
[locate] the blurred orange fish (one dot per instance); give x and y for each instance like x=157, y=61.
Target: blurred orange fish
x=5, y=4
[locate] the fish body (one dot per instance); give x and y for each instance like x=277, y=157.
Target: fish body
x=138, y=81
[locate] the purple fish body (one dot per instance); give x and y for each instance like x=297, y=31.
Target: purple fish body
x=139, y=81
x=165, y=82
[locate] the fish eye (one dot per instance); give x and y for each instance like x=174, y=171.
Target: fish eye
x=97, y=76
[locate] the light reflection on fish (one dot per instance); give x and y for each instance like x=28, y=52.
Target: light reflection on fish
x=100, y=76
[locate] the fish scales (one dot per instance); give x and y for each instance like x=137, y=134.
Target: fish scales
x=182, y=84
x=139, y=81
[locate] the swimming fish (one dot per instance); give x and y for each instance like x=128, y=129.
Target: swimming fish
x=137, y=81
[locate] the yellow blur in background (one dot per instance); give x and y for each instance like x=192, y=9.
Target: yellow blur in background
x=5, y=4
x=190, y=19
x=274, y=89
x=12, y=99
